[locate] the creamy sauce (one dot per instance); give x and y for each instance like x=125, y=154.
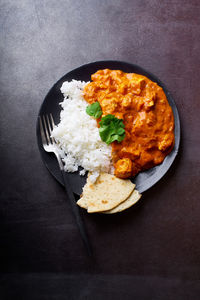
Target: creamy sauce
x=146, y=113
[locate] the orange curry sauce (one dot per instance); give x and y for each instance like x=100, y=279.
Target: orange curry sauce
x=146, y=113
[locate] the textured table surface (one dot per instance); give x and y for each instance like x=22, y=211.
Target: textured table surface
x=152, y=251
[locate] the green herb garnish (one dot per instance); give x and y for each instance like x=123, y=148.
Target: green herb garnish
x=111, y=129
x=94, y=110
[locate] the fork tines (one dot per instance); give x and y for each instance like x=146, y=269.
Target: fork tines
x=46, y=126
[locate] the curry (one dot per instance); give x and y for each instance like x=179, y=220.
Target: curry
x=146, y=113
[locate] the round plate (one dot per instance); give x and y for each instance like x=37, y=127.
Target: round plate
x=144, y=180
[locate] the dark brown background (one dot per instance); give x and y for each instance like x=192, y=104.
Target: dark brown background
x=152, y=251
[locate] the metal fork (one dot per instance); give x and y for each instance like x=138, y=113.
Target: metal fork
x=50, y=145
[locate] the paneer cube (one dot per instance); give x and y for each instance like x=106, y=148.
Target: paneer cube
x=123, y=168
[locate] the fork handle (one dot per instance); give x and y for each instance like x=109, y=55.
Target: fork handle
x=76, y=213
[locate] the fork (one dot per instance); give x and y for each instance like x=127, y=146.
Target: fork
x=49, y=144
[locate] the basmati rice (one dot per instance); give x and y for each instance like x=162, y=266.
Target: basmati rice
x=78, y=136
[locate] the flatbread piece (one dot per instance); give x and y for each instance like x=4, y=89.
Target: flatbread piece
x=106, y=193
x=131, y=200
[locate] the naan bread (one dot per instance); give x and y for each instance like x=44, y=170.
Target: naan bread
x=131, y=200
x=106, y=193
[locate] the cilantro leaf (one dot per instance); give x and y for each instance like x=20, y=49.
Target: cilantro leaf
x=94, y=110
x=111, y=129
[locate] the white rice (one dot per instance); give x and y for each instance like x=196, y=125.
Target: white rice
x=78, y=135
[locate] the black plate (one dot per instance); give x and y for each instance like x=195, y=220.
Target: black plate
x=144, y=180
